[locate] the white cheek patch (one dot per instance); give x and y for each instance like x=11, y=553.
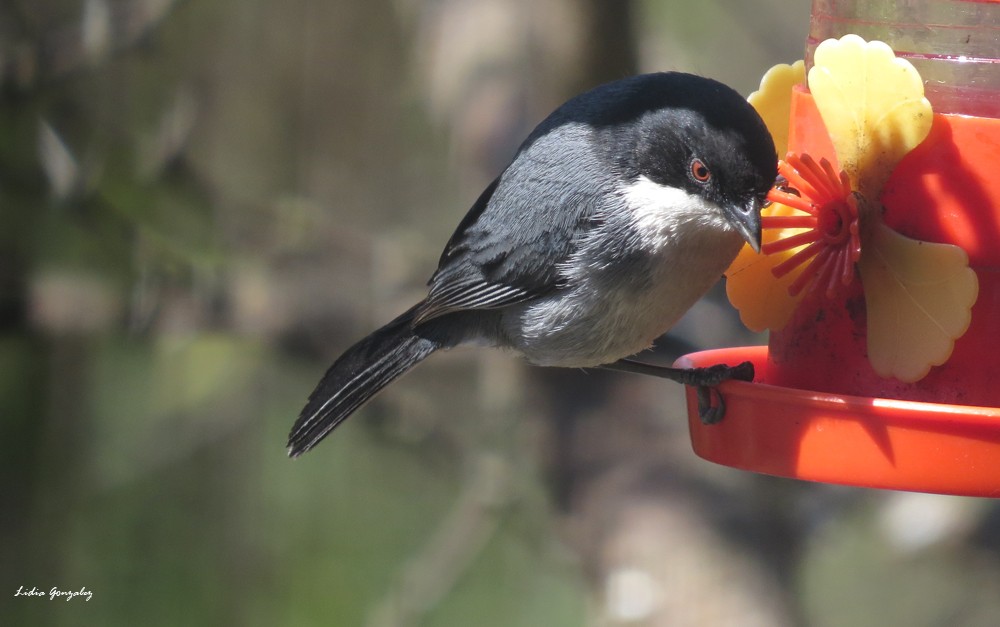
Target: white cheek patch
x=660, y=211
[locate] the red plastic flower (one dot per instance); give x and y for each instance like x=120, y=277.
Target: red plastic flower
x=831, y=243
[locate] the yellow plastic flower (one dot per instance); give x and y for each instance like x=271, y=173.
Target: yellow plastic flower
x=825, y=223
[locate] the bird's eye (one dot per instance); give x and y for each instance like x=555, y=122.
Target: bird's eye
x=700, y=171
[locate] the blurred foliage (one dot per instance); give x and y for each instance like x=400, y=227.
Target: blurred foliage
x=146, y=386
x=201, y=203
x=174, y=504
x=858, y=575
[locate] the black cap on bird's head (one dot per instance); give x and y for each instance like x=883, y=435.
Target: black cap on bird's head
x=687, y=132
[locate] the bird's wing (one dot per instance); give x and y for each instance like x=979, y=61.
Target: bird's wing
x=511, y=245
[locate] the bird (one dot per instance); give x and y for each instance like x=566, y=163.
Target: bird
x=616, y=214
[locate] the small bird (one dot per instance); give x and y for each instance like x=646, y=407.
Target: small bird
x=617, y=213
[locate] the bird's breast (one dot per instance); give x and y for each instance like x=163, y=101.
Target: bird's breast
x=624, y=288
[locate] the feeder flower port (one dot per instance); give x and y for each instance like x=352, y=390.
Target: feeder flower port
x=824, y=229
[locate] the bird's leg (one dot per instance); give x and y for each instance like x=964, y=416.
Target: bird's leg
x=705, y=380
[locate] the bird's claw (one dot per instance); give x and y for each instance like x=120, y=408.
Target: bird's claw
x=708, y=413
x=712, y=413
x=742, y=372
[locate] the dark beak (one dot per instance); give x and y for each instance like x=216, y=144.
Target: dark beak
x=746, y=219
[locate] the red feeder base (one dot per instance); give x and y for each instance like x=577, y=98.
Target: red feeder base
x=850, y=440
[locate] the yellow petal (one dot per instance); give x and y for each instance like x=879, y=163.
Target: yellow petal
x=763, y=300
x=919, y=297
x=773, y=100
x=873, y=106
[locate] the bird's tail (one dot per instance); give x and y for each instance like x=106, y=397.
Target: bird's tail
x=358, y=375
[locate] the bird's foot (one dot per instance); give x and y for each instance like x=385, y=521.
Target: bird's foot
x=704, y=380
x=712, y=413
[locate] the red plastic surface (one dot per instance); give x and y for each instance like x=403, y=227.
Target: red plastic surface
x=843, y=439
x=946, y=190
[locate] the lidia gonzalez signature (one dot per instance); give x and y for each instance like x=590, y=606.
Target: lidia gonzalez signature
x=55, y=593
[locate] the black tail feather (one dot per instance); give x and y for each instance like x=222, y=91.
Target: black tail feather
x=358, y=375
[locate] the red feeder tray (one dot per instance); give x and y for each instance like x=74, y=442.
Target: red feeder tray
x=844, y=439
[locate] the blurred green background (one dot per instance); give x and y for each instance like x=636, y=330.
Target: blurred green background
x=203, y=202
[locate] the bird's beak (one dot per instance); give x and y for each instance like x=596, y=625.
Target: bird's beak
x=746, y=219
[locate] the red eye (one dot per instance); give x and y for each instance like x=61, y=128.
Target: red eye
x=700, y=171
